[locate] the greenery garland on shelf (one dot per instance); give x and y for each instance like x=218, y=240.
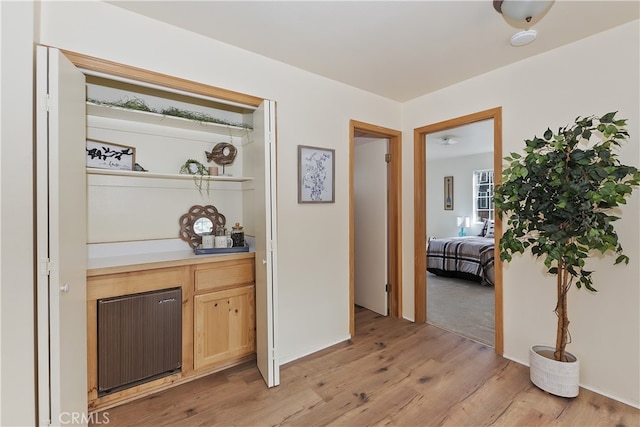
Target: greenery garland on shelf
x=140, y=105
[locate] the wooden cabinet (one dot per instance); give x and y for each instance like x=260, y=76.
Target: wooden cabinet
x=224, y=312
x=223, y=275
x=224, y=325
x=218, y=315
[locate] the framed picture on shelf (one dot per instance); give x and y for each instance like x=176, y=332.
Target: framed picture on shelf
x=316, y=174
x=107, y=155
x=448, y=193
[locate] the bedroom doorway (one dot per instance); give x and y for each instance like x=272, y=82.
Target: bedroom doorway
x=460, y=291
x=451, y=220
x=393, y=140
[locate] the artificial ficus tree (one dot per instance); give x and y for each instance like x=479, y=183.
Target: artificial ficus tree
x=560, y=201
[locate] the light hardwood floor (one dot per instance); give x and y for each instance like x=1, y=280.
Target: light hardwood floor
x=393, y=372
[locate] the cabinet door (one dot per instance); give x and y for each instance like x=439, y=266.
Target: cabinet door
x=224, y=326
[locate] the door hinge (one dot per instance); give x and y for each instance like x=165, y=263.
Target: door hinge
x=45, y=102
x=46, y=267
x=387, y=287
x=387, y=158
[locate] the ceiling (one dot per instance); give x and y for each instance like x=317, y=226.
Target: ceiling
x=465, y=140
x=397, y=49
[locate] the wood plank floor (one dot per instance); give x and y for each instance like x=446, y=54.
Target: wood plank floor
x=392, y=373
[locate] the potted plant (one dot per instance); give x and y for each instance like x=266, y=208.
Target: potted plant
x=560, y=201
x=198, y=170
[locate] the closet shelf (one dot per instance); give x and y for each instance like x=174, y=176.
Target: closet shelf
x=119, y=113
x=114, y=172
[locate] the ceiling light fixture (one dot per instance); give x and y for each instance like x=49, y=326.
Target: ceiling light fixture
x=447, y=140
x=522, y=13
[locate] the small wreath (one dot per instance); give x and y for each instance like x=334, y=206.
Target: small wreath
x=196, y=212
x=222, y=154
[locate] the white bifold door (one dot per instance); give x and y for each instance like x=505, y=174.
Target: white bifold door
x=264, y=155
x=61, y=228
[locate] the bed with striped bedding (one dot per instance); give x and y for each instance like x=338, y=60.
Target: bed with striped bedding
x=469, y=257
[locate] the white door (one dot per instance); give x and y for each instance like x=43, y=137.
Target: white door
x=370, y=224
x=264, y=154
x=61, y=226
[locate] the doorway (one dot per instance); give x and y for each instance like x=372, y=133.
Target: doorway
x=394, y=226
x=420, y=203
x=370, y=201
x=462, y=300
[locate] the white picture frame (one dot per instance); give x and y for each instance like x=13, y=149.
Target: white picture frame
x=107, y=155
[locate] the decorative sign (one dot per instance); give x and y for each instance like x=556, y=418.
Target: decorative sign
x=107, y=155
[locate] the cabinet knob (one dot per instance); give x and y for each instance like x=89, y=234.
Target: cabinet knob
x=264, y=261
x=64, y=288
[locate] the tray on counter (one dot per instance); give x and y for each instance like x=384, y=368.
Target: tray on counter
x=209, y=251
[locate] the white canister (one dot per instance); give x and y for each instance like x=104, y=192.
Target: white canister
x=208, y=241
x=223, y=242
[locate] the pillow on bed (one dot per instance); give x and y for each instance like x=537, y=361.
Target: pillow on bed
x=490, y=229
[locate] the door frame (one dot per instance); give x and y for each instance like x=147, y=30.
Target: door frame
x=394, y=216
x=420, y=214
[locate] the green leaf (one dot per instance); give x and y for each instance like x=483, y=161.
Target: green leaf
x=608, y=118
x=622, y=258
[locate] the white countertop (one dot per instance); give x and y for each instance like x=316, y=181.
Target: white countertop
x=107, y=255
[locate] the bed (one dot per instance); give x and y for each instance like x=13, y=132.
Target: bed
x=469, y=257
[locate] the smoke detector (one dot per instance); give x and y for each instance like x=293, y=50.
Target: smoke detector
x=523, y=38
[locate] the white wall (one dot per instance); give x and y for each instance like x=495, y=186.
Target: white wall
x=311, y=110
x=441, y=223
x=17, y=377
x=593, y=76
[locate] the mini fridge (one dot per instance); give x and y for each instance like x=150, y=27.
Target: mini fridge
x=139, y=338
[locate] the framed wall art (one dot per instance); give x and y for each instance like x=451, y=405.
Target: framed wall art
x=448, y=193
x=107, y=155
x=316, y=175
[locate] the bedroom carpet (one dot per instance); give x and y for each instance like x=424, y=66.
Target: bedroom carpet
x=461, y=306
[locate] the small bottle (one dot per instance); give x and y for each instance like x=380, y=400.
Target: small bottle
x=237, y=235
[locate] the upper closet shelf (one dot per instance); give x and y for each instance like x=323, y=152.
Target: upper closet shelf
x=163, y=120
x=114, y=172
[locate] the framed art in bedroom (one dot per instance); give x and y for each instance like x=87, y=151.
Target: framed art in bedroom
x=448, y=193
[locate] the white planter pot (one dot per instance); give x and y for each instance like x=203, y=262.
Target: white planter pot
x=559, y=378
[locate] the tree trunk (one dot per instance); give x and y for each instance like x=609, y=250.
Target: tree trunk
x=562, y=333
